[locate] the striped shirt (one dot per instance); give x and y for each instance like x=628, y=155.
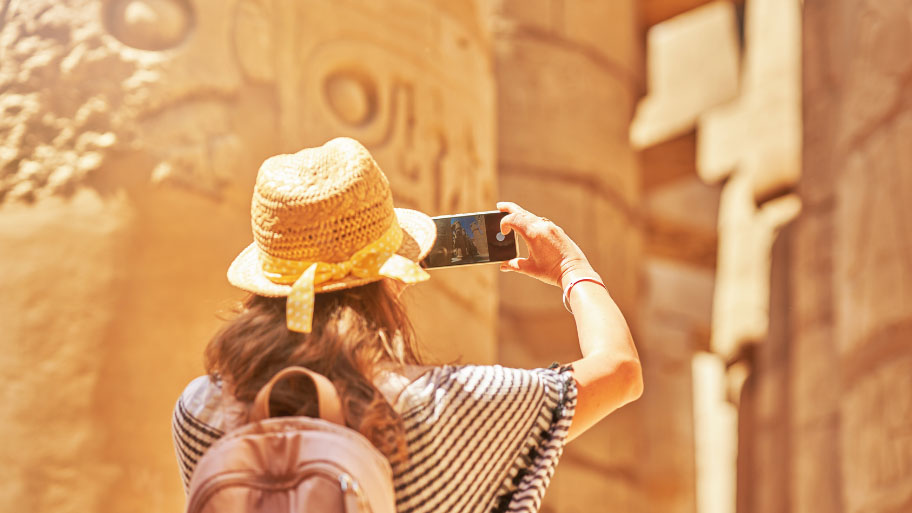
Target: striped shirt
x=480, y=438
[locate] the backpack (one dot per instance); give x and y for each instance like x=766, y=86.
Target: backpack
x=293, y=464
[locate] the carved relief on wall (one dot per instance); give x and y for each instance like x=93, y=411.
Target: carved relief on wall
x=364, y=70
x=101, y=93
x=110, y=92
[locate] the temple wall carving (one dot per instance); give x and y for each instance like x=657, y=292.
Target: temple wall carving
x=130, y=135
x=737, y=171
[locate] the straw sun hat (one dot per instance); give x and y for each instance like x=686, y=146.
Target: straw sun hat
x=323, y=220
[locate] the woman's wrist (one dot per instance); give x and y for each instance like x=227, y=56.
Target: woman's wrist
x=575, y=272
x=569, y=287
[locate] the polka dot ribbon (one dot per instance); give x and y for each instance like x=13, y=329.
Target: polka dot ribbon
x=377, y=259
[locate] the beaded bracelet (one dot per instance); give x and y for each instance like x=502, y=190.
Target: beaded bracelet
x=570, y=286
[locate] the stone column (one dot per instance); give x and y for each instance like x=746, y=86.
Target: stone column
x=852, y=263
x=130, y=134
x=568, y=74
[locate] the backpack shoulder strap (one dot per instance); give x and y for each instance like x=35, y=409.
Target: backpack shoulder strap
x=328, y=403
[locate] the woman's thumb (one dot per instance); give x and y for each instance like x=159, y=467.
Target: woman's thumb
x=515, y=264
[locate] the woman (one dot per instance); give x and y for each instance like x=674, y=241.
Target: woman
x=330, y=258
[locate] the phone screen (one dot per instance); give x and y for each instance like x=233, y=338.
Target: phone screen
x=465, y=239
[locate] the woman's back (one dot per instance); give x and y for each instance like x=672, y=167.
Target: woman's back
x=330, y=256
x=479, y=438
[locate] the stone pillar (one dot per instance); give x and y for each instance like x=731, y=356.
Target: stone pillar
x=852, y=263
x=568, y=74
x=130, y=134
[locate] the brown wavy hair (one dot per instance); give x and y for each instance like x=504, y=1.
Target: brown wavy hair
x=354, y=330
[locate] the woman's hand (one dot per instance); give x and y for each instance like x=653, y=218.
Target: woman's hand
x=552, y=254
x=608, y=375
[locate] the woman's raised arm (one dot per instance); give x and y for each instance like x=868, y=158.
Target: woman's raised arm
x=608, y=375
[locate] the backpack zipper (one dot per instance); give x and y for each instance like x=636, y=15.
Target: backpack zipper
x=352, y=495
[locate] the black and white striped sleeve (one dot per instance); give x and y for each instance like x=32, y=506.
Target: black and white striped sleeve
x=195, y=424
x=482, y=438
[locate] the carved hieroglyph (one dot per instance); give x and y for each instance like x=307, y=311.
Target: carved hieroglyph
x=135, y=129
x=174, y=80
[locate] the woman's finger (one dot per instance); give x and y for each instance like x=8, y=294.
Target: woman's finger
x=506, y=223
x=509, y=206
x=514, y=264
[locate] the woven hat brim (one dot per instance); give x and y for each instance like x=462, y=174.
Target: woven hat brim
x=418, y=235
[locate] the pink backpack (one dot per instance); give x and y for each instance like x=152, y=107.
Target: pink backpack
x=293, y=464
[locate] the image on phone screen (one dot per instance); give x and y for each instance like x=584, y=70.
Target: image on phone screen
x=465, y=239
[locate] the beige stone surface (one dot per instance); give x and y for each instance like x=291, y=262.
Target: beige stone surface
x=870, y=66
x=816, y=469
x=876, y=441
x=692, y=66
x=848, y=266
x=130, y=134
x=686, y=202
x=584, y=121
x=665, y=471
x=653, y=12
x=746, y=236
x=566, y=77
x=681, y=219
x=715, y=436
x=618, y=49
x=873, y=246
x=675, y=312
x=580, y=27
x=55, y=319
x=759, y=133
x=577, y=488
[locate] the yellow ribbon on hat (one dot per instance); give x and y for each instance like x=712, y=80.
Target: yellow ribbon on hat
x=377, y=259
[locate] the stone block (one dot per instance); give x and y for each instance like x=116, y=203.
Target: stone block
x=715, y=436
x=819, y=164
x=703, y=39
x=63, y=266
x=870, y=73
x=599, y=225
x=686, y=202
x=815, y=386
x=532, y=341
x=759, y=134
x=667, y=162
x=811, y=295
x=619, y=240
x=677, y=295
x=575, y=488
x=815, y=468
x=663, y=343
x=763, y=452
x=511, y=15
x=618, y=47
x=665, y=432
x=876, y=441
x=549, y=124
x=610, y=443
x=454, y=314
x=746, y=235
x=872, y=249
x=165, y=110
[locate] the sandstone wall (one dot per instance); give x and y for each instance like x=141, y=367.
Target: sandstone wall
x=829, y=411
x=130, y=135
x=851, y=263
x=568, y=75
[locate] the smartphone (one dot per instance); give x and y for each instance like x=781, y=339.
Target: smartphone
x=466, y=239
